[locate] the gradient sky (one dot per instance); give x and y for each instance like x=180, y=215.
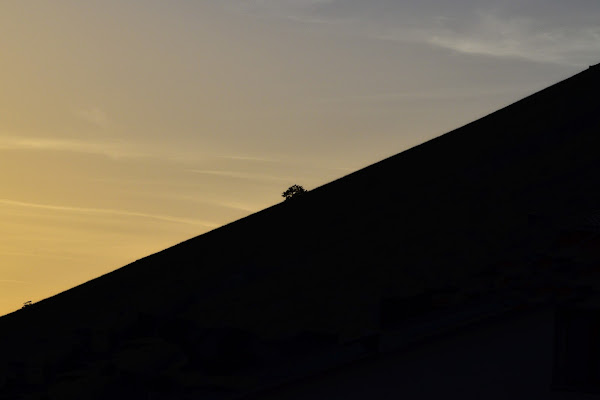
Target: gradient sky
x=128, y=126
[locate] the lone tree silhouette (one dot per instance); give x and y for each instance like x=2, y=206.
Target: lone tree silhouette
x=293, y=192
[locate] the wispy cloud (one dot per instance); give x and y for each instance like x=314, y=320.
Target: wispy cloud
x=250, y=158
x=494, y=34
x=425, y=95
x=13, y=281
x=241, y=175
x=500, y=33
x=544, y=31
x=43, y=255
x=113, y=212
x=109, y=149
x=218, y=203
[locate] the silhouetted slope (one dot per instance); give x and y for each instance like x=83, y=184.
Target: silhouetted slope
x=458, y=212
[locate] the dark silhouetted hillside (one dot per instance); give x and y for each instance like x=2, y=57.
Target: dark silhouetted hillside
x=484, y=216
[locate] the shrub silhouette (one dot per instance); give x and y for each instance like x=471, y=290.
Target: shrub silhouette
x=293, y=192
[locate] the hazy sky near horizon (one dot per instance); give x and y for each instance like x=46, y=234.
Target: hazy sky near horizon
x=128, y=126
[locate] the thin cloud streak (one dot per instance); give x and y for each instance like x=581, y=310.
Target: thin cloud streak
x=248, y=158
x=42, y=255
x=102, y=211
x=241, y=175
x=220, y=204
x=112, y=150
x=423, y=95
x=14, y=281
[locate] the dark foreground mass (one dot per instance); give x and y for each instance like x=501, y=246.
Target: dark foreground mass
x=462, y=265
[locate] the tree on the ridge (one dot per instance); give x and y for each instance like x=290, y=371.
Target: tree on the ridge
x=293, y=192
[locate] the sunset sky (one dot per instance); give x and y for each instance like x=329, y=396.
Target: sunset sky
x=127, y=126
